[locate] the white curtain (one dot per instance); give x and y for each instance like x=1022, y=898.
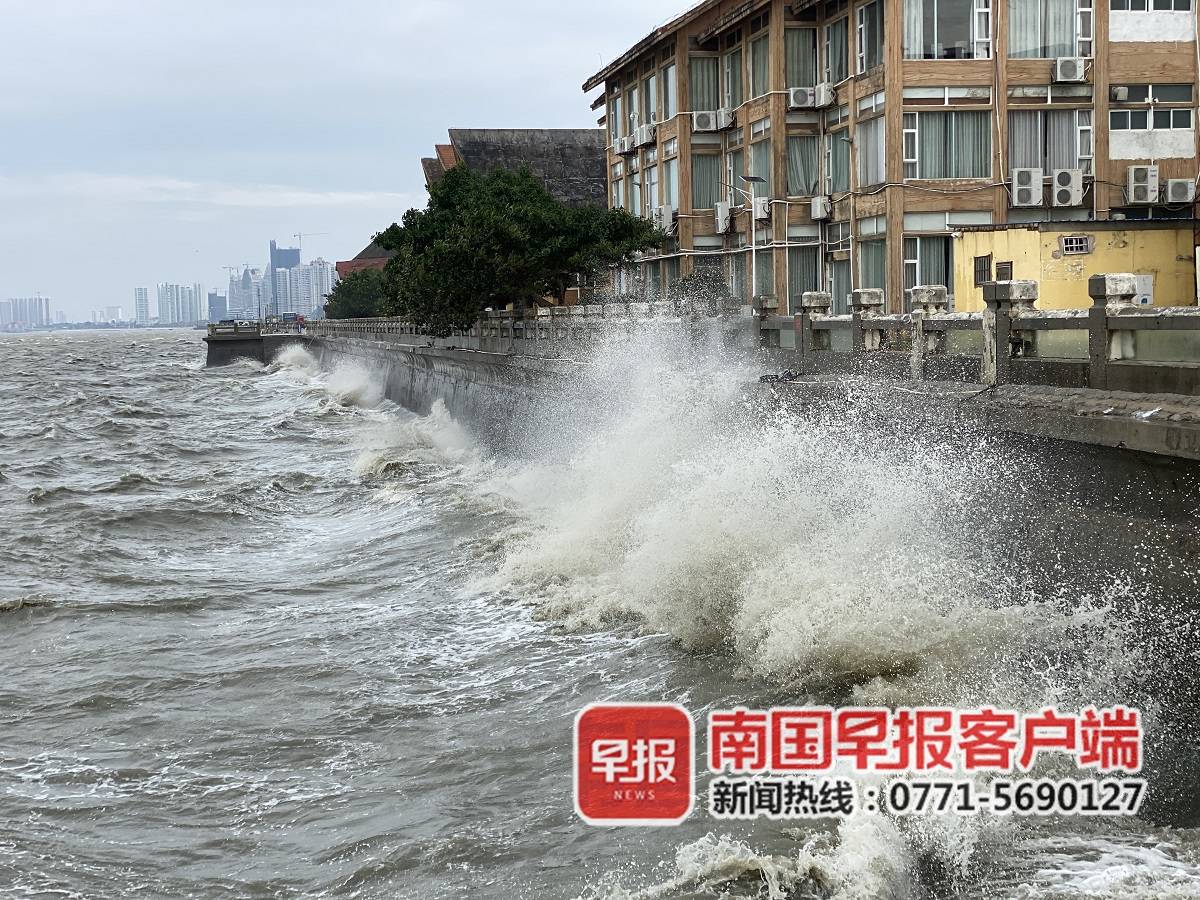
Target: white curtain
x=1060, y=28
x=840, y=162
x=914, y=31
x=1062, y=146
x=872, y=153
x=1025, y=139
x=760, y=160
x=933, y=149
x=803, y=174
x=801, y=57
x=760, y=66
x=837, y=37
x=935, y=261
x=972, y=145
x=704, y=83
x=872, y=264
x=1041, y=29
x=706, y=177
x=802, y=274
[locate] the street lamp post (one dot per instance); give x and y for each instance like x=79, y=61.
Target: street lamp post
x=752, y=180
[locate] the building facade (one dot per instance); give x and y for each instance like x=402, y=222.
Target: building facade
x=797, y=146
x=141, y=305
x=179, y=304
x=22, y=313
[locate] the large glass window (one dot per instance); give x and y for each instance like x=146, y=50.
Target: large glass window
x=1041, y=29
x=1050, y=139
x=735, y=92
x=839, y=285
x=837, y=162
x=837, y=64
x=706, y=180
x=705, y=83
x=735, y=168
x=671, y=183
x=650, y=179
x=803, y=168
x=650, y=100
x=872, y=153
x=947, y=145
x=670, y=97
x=760, y=163
x=801, y=52
x=947, y=29
x=929, y=260
x=760, y=66
x=872, y=264
x=870, y=36
x=802, y=275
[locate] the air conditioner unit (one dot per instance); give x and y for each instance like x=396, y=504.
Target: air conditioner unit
x=664, y=217
x=724, y=217
x=1119, y=93
x=1027, y=187
x=821, y=208
x=1181, y=190
x=705, y=121
x=762, y=209
x=644, y=135
x=1067, y=187
x=1070, y=70
x=1141, y=184
x=725, y=119
x=625, y=145
x=816, y=97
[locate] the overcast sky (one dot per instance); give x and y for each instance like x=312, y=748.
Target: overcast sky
x=157, y=140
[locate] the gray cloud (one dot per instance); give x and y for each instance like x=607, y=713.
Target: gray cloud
x=150, y=140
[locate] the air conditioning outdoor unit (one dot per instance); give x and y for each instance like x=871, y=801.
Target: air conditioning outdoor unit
x=821, y=208
x=664, y=217
x=1067, y=187
x=1070, y=70
x=810, y=97
x=1027, y=187
x=725, y=119
x=762, y=209
x=1181, y=190
x=645, y=135
x=1142, y=184
x=1119, y=93
x=625, y=145
x=724, y=217
x=704, y=121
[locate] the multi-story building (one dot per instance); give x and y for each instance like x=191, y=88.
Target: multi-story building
x=248, y=295
x=141, y=305
x=798, y=146
x=25, y=312
x=178, y=304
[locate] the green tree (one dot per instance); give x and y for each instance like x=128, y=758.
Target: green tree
x=490, y=240
x=359, y=295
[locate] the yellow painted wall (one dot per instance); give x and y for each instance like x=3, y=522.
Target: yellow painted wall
x=1167, y=254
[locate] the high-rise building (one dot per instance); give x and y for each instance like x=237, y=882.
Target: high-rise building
x=282, y=259
x=141, y=305
x=178, y=304
x=218, y=306
x=22, y=313
x=247, y=296
x=830, y=146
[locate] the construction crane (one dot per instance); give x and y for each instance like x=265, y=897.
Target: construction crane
x=300, y=236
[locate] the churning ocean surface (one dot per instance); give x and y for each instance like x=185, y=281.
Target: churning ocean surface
x=265, y=634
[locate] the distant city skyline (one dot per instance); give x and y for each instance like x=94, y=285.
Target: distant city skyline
x=319, y=128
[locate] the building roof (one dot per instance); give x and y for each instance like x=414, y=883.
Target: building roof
x=374, y=251
x=570, y=162
x=434, y=170
x=446, y=155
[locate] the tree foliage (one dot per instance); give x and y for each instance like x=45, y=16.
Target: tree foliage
x=360, y=295
x=485, y=241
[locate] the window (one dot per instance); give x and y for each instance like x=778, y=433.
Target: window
x=1076, y=245
x=735, y=168
x=738, y=282
x=650, y=179
x=650, y=100
x=836, y=40
x=872, y=264
x=760, y=163
x=801, y=51
x=837, y=163
x=947, y=145
x=983, y=270
x=928, y=260
x=870, y=36
x=760, y=66
x=760, y=127
x=872, y=152
x=803, y=275
x=1004, y=271
x=633, y=110
x=1152, y=5
x=670, y=103
x=635, y=195
x=671, y=183
x=947, y=29
x=733, y=87
x=618, y=122
x=764, y=275
x=1043, y=29
x=704, y=83
x=618, y=186
x=803, y=170
x=1050, y=139
x=1145, y=119
x=838, y=273
x=706, y=180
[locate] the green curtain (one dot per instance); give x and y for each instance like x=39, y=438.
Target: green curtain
x=734, y=88
x=704, y=83
x=801, y=52
x=764, y=264
x=872, y=264
x=760, y=66
x=802, y=275
x=760, y=160
x=803, y=171
x=706, y=177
